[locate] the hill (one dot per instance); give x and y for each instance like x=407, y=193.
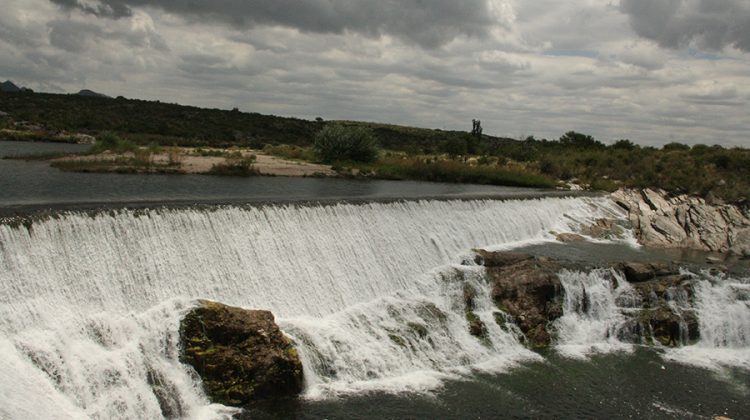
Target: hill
x=10, y=87
x=168, y=124
x=91, y=93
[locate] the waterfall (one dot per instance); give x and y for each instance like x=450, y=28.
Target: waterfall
x=723, y=307
x=370, y=293
x=593, y=312
x=601, y=311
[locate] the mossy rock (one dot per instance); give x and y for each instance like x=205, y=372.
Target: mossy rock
x=476, y=326
x=240, y=355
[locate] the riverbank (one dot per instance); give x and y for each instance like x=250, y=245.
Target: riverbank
x=187, y=160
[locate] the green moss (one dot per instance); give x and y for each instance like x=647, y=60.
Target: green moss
x=469, y=294
x=418, y=329
x=397, y=339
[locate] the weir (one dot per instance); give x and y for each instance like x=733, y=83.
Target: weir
x=370, y=293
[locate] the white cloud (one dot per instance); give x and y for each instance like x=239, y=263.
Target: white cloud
x=540, y=68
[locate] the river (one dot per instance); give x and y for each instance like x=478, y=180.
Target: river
x=91, y=303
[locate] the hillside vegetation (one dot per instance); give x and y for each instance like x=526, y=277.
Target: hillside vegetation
x=403, y=152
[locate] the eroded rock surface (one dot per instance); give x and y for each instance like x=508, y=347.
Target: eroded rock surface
x=528, y=289
x=240, y=355
x=662, y=221
x=529, y=293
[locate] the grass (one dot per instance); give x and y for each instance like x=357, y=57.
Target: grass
x=455, y=171
x=140, y=162
x=291, y=152
x=33, y=136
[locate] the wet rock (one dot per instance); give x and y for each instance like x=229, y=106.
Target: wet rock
x=667, y=314
x=500, y=259
x=570, y=237
x=476, y=326
x=240, y=355
x=636, y=272
x=527, y=289
x=603, y=229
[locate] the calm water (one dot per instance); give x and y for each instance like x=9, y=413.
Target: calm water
x=615, y=386
x=29, y=184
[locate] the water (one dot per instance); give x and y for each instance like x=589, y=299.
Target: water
x=371, y=294
x=35, y=185
x=594, y=306
x=91, y=303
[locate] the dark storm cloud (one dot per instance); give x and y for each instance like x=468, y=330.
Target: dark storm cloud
x=428, y=23
x=108, y=9
x=713, y=24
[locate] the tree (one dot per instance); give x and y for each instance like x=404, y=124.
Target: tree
x=454, y=146
x=624, y=144
x=337, y=142
x=571, y=138
x=476, y=129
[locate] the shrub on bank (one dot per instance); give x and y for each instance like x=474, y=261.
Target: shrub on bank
x=113, y=143
x=337, y=142
x=458, y=171
x=235, y=167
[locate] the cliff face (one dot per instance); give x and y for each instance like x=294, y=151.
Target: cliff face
x=686, y=222
x=240, y=355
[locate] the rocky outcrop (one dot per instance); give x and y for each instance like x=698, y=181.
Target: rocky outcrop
x=240, y=355
x=528, y=290
x=529, y=293
x=660, y=220
x=603, y=229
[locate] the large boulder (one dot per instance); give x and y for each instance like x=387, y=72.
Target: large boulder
x=636, y=272
x=527, y=289
x=240, y=355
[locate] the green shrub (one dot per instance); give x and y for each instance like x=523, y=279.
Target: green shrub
x=337, y=142
x=110, y=141
x=235, y=167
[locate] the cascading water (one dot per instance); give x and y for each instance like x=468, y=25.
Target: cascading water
x=593, y=312
x=371, y=294
x=601, y=312
x=723, y=307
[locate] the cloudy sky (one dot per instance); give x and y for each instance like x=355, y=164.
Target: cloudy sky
x=653, y=71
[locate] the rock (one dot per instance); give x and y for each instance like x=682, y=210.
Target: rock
x=570, y=237
x=499, y=259
x=528, y=290
x=714, y=260
x=603, y=229
x=529, y=294
x=683, y=221
x=240, y=355
x=740, y=242
x=636, y=272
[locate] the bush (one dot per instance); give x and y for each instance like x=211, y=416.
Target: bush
x=235, y=167
x=110, y=141
x=337, y=142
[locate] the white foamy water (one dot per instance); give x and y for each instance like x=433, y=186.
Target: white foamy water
x=723, y=307
x=597, y=305
x=593, y=318
x=372, y=295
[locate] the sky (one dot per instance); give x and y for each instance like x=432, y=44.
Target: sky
x=652, y=71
